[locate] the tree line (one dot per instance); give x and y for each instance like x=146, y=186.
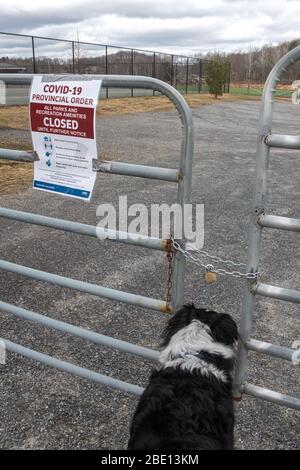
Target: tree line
x=254, y=65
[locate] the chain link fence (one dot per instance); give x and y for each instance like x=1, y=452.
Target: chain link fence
x=33, y=54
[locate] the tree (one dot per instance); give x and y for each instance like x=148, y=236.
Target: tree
x=216, y=70
x=294, y=44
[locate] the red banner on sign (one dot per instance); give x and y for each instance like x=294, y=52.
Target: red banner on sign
x=64, y=120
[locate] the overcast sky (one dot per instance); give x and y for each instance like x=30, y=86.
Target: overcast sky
x=178, y=26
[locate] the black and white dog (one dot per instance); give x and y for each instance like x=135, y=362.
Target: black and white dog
x=187, y=403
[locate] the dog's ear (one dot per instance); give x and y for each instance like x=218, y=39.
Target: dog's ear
x=179, y=320
x=224, y=329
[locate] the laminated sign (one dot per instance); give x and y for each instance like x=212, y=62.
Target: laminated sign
x=62, y=118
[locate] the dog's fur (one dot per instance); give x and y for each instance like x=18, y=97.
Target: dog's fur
x=187, y=403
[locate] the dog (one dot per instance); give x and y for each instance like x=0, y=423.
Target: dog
x=187, y=404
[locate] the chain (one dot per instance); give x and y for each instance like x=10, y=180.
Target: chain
x=210, y=267
x=170, y=256
x=218, y=259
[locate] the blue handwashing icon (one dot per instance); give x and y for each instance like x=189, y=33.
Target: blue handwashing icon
x=48, y=163
x=48, y=154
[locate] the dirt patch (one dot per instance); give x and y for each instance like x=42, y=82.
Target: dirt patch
x=14, y=176
x=152, y=104
x=14, y=117
x=280, y=86
x=17, y=117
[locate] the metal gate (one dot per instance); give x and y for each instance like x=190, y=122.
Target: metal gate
x=180, y=176
x=266, y=140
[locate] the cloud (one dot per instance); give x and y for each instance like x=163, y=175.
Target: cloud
x=188, y=27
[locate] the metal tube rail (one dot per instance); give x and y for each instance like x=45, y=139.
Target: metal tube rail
x=181, y=176
x=272, y=349
x=187, y=144
x=283, y=141
x=93, y=289
x=72, y=368
x=274, y=397
x=18, y=155
x=282, y=223
x=255, y=231
x=83, y=229
x=275, y=292
x=92, y=336
x=102, y=166
x=141, y=171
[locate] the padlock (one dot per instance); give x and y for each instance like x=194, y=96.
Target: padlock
x=210, y=276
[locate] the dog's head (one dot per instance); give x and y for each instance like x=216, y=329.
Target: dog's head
x=223, y=328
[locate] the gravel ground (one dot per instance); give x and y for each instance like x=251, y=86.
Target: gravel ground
x=42, y=408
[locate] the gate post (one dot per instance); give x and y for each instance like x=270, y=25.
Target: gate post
x=264, y=142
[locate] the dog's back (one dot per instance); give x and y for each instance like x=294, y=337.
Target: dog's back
x=187, y=403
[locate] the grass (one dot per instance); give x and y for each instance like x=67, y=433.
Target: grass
x=192, y=88
x=257, y=91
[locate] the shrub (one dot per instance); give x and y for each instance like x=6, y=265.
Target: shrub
x=216, y=75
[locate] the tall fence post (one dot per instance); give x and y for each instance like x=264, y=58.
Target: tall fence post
x=200, y=76
x=33, y=55
x=225, y=84
x=229, y=76
x=131, y=68
x=154, y=68
x=73, y=57
x=106, y=68
x=187, y=76
x=172, y=69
